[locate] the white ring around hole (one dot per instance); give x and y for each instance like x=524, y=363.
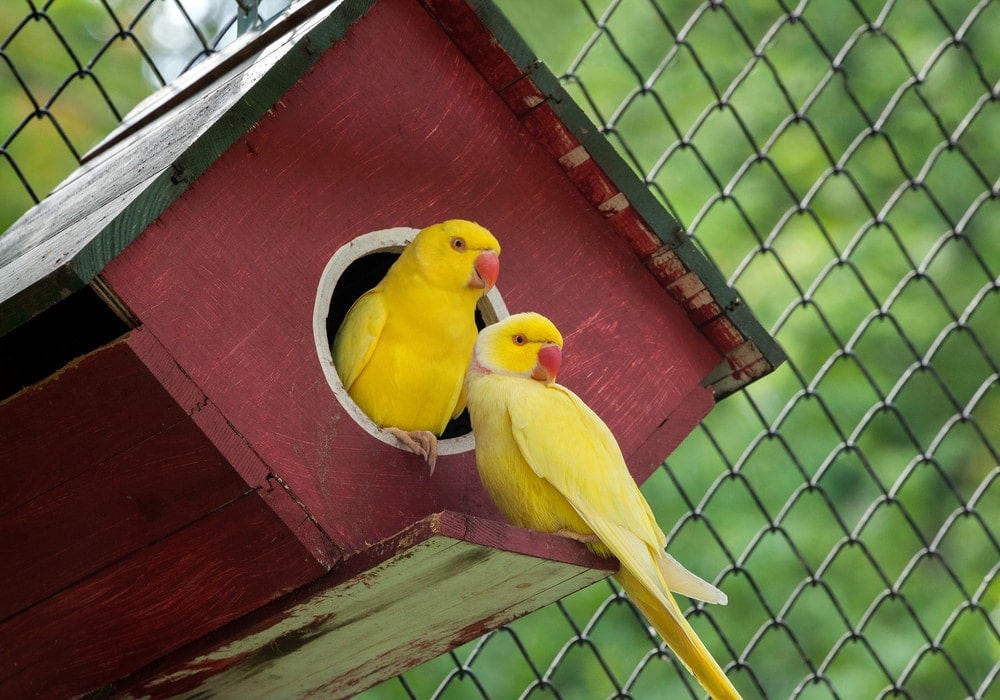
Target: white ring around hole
x=391, y=240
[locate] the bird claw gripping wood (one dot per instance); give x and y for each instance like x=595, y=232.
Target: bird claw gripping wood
x=421, y=442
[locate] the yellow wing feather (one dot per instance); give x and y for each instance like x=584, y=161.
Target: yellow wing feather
x=567, y=444
x=411, y=376
x=550, y=463
x=358, y=336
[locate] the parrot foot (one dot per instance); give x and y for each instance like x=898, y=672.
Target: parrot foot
x=421, y=442
x=578, y=536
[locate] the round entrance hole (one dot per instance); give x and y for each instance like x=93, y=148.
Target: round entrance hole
x=354, y=269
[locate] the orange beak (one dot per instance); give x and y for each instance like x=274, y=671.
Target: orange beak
x=485, y=271
x=549, y=360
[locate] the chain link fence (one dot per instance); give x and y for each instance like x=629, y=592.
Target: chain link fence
x=839, y=161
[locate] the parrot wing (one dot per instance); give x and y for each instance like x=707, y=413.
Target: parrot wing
x=460, y=400
x=568, y=445
x=358, y=336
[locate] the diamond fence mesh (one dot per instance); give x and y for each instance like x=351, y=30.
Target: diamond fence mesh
x=839, y=161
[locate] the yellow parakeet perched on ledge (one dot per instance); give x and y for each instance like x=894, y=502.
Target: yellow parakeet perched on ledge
x=551, y=464
x=403, y=347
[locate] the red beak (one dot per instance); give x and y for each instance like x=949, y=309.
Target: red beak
x=549, y=360
x=486, y=269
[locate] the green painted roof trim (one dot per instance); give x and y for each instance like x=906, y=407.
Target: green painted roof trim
x=665, y=227
x=653, y=212
x=64, y=242
x=37, y=272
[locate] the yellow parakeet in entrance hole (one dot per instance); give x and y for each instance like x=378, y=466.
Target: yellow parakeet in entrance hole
x=551, y=464
x=403, y=347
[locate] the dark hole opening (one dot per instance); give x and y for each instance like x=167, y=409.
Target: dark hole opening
x=360, y=276
x=78, y=324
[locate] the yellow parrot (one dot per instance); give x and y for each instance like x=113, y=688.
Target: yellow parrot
x=403, y=347
x=551, y=464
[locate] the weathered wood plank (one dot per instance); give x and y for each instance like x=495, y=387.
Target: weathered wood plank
x=152, y=601
x=63, y=242
x=114, y=508
x=240, y=457
x=93, y=409
x=442, y=581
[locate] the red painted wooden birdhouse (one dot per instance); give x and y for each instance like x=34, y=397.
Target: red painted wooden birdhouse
x=192, y=501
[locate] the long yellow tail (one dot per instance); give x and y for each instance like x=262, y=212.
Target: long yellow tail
x=679, y=636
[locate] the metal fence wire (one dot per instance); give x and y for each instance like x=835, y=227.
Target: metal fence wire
x=839, y=161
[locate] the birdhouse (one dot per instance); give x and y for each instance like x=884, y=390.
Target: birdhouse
x=193, y=502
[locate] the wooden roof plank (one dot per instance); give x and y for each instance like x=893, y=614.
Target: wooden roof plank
x=64, y=242
x=151, y=601
x=128, y=502
x=386, y=609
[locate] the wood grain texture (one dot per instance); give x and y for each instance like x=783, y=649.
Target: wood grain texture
x=444, y=580
x=64, y=241
x=500, y=57
x=331, y=163
x=649, y=456
x=119, y=506
x=157, y=599
x=239, y=455
x=59, y=429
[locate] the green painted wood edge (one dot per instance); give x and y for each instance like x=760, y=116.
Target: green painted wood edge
x=198, y=157
x=609, y=160
x=35, y=298
x=507, y=36
x=733, y=305
x=164, y=189
x=666, y=228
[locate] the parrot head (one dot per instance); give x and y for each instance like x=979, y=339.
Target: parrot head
x=526, y=345
x=457, y=254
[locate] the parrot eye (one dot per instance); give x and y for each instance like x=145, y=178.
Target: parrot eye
x=458, y=243
x=520, y=339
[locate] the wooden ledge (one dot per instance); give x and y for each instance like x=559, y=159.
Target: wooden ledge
x=444, y=580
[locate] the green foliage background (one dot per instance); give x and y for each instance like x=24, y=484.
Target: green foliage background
x=839, y=162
